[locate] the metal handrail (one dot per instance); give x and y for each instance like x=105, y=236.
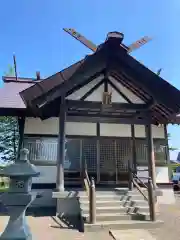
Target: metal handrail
x=143, y=170
x=136, y=177
x=139, y=189
x=86, y=179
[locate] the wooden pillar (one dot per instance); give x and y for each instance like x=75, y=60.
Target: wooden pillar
x=150, y=154
x=133, y=145
x=61, y=147
x=21, y=124
x=98, y=151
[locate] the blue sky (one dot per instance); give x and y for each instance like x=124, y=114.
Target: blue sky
x=33, y=30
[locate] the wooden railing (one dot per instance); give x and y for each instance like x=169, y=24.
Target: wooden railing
x=90, y=188
x=134, y=180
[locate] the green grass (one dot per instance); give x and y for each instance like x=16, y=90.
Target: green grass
x=4, y=184
x=3, y=189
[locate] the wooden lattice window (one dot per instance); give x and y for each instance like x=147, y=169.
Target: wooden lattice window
x=107, y=156
x=41, y=148
x=124, y=153
x=89, y=154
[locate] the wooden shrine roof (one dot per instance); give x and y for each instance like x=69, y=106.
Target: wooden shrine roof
x=120, y=65
x=111, y=58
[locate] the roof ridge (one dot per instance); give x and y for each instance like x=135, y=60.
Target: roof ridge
x=7, y=79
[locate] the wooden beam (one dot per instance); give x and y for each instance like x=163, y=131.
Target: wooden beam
x=13, y=112
x=98, y=105
x=120, y=93
x=122, y=65
x=91, y=90
x=92, y=65
x=130, y=86
x=103, y=119
x=150, y=102
x=46, y=100
x=76, y=88
x=106, y=84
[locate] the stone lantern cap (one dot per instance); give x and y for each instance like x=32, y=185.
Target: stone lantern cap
x=21, y=167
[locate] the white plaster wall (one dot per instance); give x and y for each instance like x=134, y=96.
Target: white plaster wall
x=97, y=94
x=47, y=174
x=79, y=93
x=132, y=97
x=124, y=130
x=157, y=131
x=50, y=126
x=115, y=130
x=36, y=126
x=79, y=128
x=162, y=174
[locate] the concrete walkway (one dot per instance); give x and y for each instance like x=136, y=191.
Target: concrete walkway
x=46, y=228
x=134, y=234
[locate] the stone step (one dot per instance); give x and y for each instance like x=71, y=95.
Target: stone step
x=138, y=203
x=117, y=209
x=100, y=197
x=117, y=216
x=133, y=197
x=121, y=224
x=114, y=196
x=120, y=197
x=113, y=202
x=104, y=203
x=105, y=193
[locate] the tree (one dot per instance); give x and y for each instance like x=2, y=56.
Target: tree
x=9, y=133
x=171, y=148
x=9, y=136
x=10, y=72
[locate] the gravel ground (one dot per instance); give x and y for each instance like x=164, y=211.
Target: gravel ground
x=170, y=214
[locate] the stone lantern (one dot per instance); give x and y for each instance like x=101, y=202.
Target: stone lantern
x=18, y=197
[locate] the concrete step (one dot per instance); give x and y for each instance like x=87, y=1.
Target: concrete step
x=116, y=209
x=121, y=224
x=117, y=216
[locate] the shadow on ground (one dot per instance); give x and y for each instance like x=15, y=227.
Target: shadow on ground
x=63, y=222
x=68, y=222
